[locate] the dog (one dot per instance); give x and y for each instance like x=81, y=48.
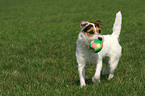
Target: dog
x=110, y=53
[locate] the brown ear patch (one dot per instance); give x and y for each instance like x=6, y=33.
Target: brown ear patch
x=98, y=22
x=98, y=30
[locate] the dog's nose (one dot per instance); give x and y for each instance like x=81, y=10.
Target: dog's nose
x=100, y=38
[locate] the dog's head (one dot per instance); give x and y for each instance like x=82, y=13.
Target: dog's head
x=91, y=29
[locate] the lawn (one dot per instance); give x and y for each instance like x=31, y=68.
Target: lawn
x=38, y=43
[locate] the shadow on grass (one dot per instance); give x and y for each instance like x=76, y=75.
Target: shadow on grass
x=89, y=81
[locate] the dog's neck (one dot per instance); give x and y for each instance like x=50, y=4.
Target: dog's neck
x=85, y=39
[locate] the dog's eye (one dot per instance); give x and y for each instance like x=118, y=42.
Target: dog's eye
x=87, y=28
x=91, y=32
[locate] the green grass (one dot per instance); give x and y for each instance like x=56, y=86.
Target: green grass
x=38, y=42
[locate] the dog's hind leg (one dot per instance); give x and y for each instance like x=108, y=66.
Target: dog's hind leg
x=81, y=69
x=106, y=68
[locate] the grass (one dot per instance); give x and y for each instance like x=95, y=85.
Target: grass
x=38, y=41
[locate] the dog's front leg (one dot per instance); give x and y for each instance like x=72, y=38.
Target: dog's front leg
x=81, y=69
x=96, y=78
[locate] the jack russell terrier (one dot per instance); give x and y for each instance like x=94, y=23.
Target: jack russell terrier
x=110, y=53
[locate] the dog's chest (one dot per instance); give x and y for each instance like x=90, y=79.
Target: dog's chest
x=91, y=58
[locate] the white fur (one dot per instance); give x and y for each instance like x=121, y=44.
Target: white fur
x=111, y=48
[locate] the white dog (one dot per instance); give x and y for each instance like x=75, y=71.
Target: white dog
x=111, y=48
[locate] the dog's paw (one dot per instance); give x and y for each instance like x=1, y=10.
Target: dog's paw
x=83, y=85
x=95, y=80
x=110, y=76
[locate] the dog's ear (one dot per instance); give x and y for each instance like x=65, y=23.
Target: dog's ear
x=97, y=23
x=83, y=24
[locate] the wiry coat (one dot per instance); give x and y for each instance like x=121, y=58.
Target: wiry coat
x=111, y=48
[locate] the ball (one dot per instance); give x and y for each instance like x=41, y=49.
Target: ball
x=96, y=45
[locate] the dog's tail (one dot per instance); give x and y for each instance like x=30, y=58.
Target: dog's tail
x=117, y=25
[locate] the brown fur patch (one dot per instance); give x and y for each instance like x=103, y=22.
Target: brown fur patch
x=98, y=30
x=89, y=32
x=98, y=23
